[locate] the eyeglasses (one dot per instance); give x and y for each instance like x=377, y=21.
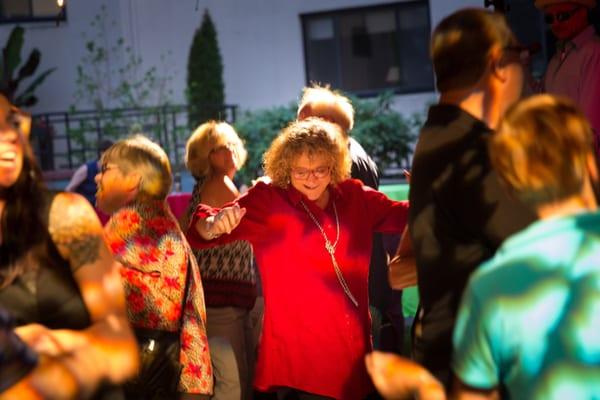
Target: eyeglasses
x=560, y=16
x=105, y=168
x=303, y=173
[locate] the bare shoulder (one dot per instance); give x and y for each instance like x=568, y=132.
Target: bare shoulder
x=217, y=192
x=75, y=229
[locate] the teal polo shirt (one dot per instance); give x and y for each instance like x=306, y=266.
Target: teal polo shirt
x=529, y=321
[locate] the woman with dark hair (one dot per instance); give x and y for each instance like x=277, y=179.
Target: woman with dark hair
x=57, y=277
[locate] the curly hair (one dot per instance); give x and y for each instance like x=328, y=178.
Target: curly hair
x=208, y=137
x=541, y=148
x=313, y=136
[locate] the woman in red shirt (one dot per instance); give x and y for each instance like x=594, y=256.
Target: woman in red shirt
x=311, y=230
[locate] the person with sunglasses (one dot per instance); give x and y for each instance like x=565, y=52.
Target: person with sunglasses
x=574, y=71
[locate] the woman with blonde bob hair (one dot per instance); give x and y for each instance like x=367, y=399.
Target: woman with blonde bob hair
x=214, y=153
x=311, y=231
x=208, y=138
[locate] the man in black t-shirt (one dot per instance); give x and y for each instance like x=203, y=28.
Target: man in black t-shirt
x=459, y=213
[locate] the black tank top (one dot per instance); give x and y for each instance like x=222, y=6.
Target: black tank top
x=46, y=293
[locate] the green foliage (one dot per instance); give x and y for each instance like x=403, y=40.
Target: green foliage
x=258, y=129
x=112, y=75
x=386, y=135
x=10, y=61
x=205, y=87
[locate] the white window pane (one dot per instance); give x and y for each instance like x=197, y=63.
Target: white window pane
x=380, y=22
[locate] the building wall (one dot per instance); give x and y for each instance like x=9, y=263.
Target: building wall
x=260, y=40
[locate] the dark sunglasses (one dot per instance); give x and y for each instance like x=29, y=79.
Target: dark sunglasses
x=560, y=16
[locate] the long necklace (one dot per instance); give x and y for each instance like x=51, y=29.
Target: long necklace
x=331, y=249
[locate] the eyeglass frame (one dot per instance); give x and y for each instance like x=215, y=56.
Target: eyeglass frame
x=303, y=174
x=561, y=16
x=104, y=168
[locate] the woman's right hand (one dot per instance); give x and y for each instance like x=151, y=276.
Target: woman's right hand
x=225, y=221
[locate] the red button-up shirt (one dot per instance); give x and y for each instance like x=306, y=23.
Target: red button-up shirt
x=314, y=339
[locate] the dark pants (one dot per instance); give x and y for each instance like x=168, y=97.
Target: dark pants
x=159, y=367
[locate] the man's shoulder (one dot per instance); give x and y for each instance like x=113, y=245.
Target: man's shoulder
x=357, y=152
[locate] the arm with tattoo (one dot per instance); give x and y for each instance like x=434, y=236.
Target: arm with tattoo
x=106, y=350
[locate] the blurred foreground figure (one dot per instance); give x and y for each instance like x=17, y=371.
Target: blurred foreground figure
x=528, y=326
x=57, y=277
x=459, y=212
x=528, y=323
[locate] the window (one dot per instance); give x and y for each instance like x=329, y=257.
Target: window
x=12, y=11
x=367, y=50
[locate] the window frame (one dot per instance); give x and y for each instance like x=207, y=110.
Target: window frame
x=335, y=14
x=60, y=17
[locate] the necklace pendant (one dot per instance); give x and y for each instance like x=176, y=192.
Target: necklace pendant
x=330, y=249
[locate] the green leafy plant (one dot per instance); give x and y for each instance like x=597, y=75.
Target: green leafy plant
x=258, y=129
x=205, y=87
x=11, y=59
x=110, y=78
x=111, y=75
x=386, y=135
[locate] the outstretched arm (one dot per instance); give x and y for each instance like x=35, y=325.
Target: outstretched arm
x=225, y=221
x=107, y=349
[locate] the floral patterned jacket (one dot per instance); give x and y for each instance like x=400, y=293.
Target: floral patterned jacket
x=145, y=238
